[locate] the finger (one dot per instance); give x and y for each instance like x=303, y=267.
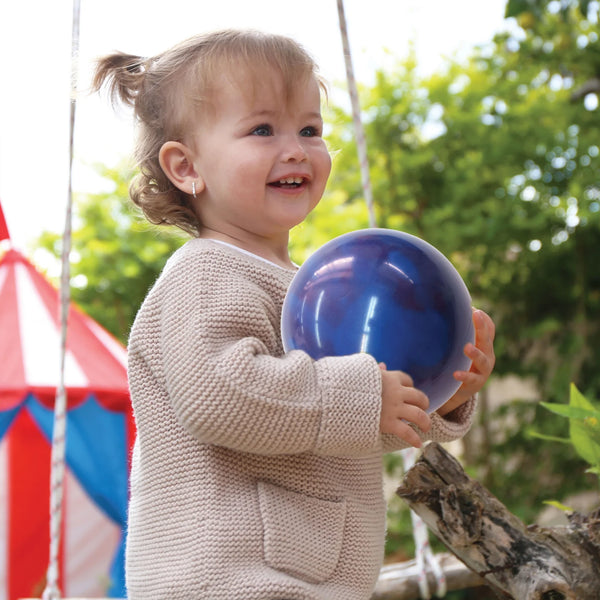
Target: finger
x=481, y=361
x=405, y=379
x=417, y=398
x=485, y=329
x=470, y=379
x=405, y=432
x=418, y=417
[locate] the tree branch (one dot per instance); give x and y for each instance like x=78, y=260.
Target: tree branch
x=517, y=562
x=591, y=86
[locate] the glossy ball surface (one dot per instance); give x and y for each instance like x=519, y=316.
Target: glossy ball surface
x=389, y=294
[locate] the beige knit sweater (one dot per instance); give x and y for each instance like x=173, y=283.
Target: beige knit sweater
x=256, y=475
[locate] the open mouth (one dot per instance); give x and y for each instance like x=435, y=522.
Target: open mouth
x=288, y=182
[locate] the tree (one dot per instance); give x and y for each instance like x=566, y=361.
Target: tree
x=116, y=255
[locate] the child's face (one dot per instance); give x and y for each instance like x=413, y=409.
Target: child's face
x=261, y=159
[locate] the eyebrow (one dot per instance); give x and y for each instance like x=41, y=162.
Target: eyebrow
x=272, y=113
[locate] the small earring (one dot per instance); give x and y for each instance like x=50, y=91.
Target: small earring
x=194, y=189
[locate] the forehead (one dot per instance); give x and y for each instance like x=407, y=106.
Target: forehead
x=252, y=86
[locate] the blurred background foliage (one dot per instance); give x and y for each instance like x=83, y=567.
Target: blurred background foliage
x=494, y=160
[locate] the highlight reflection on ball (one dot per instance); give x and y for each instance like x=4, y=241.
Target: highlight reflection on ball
x=389, y=294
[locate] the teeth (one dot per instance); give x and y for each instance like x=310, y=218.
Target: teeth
x=290, y=180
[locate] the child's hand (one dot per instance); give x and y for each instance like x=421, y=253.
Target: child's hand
x=401, y=404
x=482, y=355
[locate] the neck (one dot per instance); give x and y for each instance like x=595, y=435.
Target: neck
x=275, y=251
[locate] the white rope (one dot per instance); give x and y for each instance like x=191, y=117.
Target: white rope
x=423, y=554
x=361, y=141
x=52, y=591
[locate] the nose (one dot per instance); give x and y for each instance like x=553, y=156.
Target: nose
x=293, y=149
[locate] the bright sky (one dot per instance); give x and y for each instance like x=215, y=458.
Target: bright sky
x=35, y=72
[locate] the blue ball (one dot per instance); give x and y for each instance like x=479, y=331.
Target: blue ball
x=389, y=294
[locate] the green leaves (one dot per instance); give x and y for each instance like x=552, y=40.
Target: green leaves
x=514, y=8
x=558, y=505
x=116, y=255
x=584, y=427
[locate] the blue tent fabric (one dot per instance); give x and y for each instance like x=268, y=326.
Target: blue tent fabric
x=117, y=572
x=95, y=452
x=6, y=419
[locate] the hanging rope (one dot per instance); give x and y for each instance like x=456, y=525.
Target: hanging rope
x=423, y=554
x=52, y=591
x=361, y=141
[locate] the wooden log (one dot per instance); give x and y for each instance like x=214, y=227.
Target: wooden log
x=517, y=562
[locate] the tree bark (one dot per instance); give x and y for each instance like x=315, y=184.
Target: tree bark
x=517, y=562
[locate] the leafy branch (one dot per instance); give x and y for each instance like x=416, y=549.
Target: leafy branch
x=584, y=427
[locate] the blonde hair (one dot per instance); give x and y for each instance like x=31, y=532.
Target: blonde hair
x=161, y=88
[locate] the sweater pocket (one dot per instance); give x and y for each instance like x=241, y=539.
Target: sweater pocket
x=303, y=535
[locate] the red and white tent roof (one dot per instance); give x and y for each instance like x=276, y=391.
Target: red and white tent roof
x=30, y=344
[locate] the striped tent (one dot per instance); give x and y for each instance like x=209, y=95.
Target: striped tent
x=100, y=434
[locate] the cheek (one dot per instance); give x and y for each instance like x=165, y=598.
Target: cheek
x=249, y=166
x=328, y=161
x=323, y=160
x=324, y=155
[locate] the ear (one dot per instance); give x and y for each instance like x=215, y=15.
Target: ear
x=176, y=160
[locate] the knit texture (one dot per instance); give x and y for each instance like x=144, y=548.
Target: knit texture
x=256, y=475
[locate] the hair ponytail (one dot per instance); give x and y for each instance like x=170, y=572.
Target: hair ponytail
x=122, y=74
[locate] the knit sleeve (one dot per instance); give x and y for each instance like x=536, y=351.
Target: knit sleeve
x=451, y=426
x=229, y=385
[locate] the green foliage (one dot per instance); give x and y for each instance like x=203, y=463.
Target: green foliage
x=399, y=541
x=520, y=469
x=332, y=217
x=558, y=505
x=538, y=8
x=116, y=256
x=584, y=426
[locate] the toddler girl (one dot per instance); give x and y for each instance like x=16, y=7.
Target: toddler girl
x=256, y=474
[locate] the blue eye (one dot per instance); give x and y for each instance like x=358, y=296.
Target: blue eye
x=310, y=132
x=263, y=130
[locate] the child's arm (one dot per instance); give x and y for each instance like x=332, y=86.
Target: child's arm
x=217, y=354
